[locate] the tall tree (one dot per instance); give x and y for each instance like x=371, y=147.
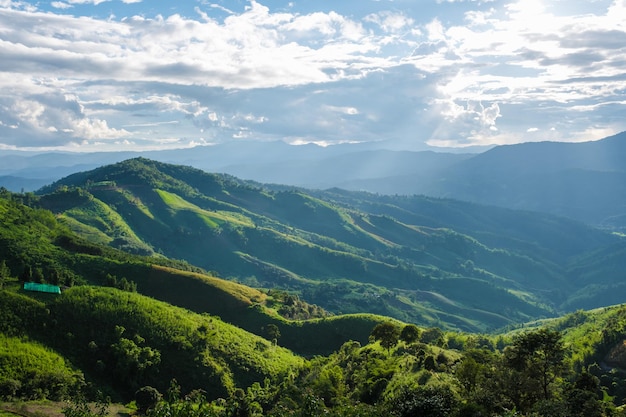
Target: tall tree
x=387, y=333
x=410, y=333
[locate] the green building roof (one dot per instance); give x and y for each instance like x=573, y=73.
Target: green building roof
x=33, y=286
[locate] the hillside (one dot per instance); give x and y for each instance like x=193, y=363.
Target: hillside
x=91, y=340
x=121, y=344
x=126, y=340
x=35, y=247
x=584, y=181
x=429, y=261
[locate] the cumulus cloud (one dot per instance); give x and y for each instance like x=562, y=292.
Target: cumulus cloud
x=489, y=73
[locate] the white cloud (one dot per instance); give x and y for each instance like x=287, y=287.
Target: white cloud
x=390, y=21
x=351, y=111
x=60, y=5
x=94, y=2
x=384, y=75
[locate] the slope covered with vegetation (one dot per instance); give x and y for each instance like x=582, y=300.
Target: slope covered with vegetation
x=174, y=361
x=435, y=262
x=34, y=246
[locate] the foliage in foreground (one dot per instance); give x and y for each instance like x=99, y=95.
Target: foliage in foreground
x=528, y=378
x=177, y=363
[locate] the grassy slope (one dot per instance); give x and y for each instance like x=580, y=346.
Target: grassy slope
x=246, y=308
x=32, y=236
x=294, y=240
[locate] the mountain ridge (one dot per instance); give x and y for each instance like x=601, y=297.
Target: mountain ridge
x=357, y=246
x=92, y=338
x=580, y=180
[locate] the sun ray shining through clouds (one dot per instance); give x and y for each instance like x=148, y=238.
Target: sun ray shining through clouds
x=88, y=75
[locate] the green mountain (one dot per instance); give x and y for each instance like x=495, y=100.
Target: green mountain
x=429, y=261
x=34, y=246
x=53, y=345
x=94, y=340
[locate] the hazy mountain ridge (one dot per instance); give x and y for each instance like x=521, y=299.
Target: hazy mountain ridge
x=414, y=258
x=584, y=181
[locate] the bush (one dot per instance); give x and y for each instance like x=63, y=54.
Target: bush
x=431, y=401
x=146, y=398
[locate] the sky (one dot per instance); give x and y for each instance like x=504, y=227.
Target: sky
x=446, y=75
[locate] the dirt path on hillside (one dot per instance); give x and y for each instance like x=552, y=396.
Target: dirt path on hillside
x=53, y=409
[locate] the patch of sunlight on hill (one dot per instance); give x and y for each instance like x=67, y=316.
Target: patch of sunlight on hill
x=244, y=294
x=363, y=223
x=211, y=218
x=136, y=201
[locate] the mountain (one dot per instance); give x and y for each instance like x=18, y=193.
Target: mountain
x=269, y=162
x=423, y=260
x=347, y=170
x=583, y=181
x=34, y=246
x=145, y=328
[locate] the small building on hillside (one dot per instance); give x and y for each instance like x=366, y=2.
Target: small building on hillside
x=47, y=288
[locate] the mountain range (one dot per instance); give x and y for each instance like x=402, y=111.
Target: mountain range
x=176, y=280
x=426, y=260
x=583, y=181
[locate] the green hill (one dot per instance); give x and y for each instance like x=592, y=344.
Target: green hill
x=167, y=338
x=428, y=261
x=35, y=246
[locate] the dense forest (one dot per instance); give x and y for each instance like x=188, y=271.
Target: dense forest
x=169, y=337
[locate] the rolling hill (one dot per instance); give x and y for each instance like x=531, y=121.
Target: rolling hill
x=93, y=340
x=423, y=260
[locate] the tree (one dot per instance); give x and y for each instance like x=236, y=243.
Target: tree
x=38, y=276
x=387, y=334
x=272, y=332
x=26, y=274
x=584, y=397
x=5, y=273
x=431, y=401
x=538, y=355
x=132, y=361
x=433, y=335
x=147, y=398
x=410, y=333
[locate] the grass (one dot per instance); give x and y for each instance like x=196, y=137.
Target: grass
x=212, y=219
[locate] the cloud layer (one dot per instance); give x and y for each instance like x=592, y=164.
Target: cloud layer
x=448, y=74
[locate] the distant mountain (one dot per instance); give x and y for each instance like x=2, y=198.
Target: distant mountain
x=424, y=260
x=309, y=166
x=584, y=181
x=20, y=184
x=348, y=170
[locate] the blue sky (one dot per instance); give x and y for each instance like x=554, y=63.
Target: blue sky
x=449, y=75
